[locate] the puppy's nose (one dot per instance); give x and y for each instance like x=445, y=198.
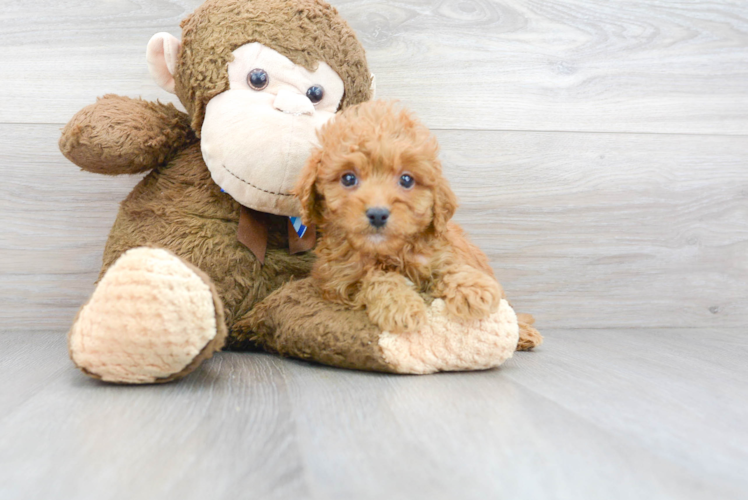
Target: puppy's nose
x=378, y=216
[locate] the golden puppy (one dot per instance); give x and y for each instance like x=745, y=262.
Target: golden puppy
x=376, y=191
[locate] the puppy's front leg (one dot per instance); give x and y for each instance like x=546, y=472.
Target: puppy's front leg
x=469, y=293
x=391, y=302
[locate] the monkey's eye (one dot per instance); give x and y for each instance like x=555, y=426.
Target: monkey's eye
x=258, y=79
x=348, y=179
x=406, y=181
x=315, y=93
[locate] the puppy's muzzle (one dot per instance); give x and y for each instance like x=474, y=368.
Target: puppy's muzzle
x=378, y=216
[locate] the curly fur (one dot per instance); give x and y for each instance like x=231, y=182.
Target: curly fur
x=418, y=250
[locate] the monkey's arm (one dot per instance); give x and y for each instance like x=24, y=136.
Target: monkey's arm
x=119, y=135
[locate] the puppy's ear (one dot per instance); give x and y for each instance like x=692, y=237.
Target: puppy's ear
x=305, y=190
x=445, y=204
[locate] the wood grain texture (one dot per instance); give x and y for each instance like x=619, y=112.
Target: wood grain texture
x=597, y=414
x=598, y=230
x=578, y=65
x=55, y=219
x=584, y=230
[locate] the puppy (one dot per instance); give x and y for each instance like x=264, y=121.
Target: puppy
x=375, y=189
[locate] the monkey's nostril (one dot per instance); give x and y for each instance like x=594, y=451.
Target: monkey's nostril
x=378, y=216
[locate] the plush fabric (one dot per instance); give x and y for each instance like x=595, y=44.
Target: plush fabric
x=297, y=321
x=151, y=316
x=120, y=135
x=286, y=76
x=265, y=183
x=181, y=209
x=448, y=345
x=242, y=126
x=305, y=32
x=161, y=55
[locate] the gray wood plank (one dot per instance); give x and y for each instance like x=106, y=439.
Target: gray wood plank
x=470, y=436
x=600, y=230
x=29, y=365
x=226, y=432
x=55, y=219
x=584, y=230
x=591, y=414
x=671, y=391
x=577, y=65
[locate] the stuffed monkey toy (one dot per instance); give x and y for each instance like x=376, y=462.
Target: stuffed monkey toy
x=206, y=252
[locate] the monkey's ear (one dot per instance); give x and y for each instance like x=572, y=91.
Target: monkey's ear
x=161, y=54
x=445, y=204
x=305, y=190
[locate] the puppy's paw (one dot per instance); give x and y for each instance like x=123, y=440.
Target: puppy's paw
x=475, y=298
x=402, y=312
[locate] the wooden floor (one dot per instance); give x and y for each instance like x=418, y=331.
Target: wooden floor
x=600, y=153
x=629, y=414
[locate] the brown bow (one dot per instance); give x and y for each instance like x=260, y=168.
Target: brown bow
x=253, y=234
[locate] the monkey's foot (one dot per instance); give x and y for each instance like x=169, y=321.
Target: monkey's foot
x=152, y=318
x=446, y=344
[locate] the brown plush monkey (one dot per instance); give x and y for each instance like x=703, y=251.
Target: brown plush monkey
x=202, y=253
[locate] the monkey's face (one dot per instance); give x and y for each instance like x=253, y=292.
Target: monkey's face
x=257, y=135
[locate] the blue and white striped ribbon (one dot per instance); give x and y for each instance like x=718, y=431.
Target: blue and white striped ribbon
x=298, y=226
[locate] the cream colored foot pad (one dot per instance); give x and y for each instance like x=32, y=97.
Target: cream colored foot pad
x=448, y=345
x=148, y=318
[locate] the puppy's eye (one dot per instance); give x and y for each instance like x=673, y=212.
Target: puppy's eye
x=348, y=179
x=407, y=181
x=315, y=93
x=258, y=79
